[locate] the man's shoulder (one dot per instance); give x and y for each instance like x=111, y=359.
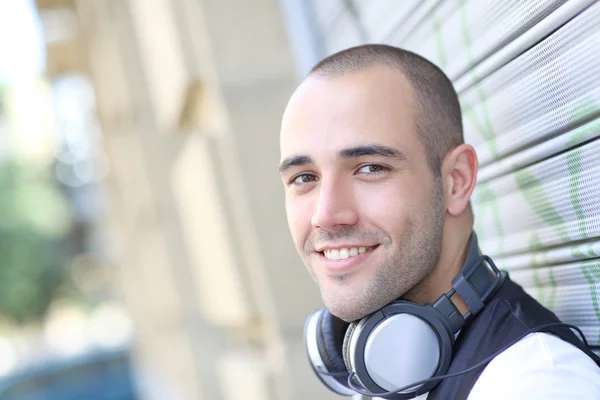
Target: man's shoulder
x=540, y=365
x=524, y=362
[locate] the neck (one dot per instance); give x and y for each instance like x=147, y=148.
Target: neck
x=455, y=248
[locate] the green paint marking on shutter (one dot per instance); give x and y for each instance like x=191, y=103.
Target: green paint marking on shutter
x=591, y=251
x=437, y=27
x=595, y=270
x=583, y=251
x=574, y=167
x=577, y=253
x=535, y=241
x=591, y=272
x=584, y=108
x=531, y=187
x=552, y=295
x=580, y=111
x=536, y=196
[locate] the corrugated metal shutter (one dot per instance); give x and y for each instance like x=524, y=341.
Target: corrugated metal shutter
x=528, y=77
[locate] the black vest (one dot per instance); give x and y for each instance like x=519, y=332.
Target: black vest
x=508, y=315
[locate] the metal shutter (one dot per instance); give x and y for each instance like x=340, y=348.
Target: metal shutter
x=528, y=77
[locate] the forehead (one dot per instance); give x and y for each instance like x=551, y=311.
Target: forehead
x=327, y=114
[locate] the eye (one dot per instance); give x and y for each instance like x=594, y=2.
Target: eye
x=371, y=169
x=303, y=179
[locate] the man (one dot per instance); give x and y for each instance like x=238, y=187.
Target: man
x=378, y=182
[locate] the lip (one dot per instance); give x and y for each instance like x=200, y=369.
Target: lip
x=347, y=263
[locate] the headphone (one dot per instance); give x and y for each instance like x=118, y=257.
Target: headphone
x=367, y=357
x=392, y=350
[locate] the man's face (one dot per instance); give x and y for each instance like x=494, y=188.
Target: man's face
x=365, y=211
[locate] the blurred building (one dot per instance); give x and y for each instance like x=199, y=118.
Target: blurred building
x=189, y=95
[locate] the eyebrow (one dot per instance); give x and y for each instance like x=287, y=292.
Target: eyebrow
x=372, y=150
x=294, y=161
x=346, y=154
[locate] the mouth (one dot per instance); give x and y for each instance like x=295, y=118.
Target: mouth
x=343, y=258
x=345, y=252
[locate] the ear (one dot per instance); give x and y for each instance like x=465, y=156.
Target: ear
x=459, y=171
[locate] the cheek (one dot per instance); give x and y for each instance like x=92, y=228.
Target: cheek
x=299, y=216
x=389, y=205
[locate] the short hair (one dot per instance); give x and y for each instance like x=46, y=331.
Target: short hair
x=438, y=117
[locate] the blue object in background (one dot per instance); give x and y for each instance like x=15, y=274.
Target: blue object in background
x=97, y=376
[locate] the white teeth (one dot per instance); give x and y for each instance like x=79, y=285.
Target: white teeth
x=344, y=253
x=335, y=254
x=341, y=254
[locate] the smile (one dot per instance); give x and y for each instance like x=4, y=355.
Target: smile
x=342, y=254
x=341, y=260
x=346, y=252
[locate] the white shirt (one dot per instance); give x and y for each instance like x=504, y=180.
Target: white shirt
x=539, y=366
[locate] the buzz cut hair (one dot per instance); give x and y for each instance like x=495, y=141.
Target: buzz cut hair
x=438, y=119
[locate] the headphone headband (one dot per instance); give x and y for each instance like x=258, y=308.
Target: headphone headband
x=476, y=282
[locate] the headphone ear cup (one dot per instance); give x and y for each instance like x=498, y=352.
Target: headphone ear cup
x=346, y=346
x=398, y=345
x=329, y=339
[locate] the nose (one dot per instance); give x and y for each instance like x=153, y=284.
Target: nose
x=335, y=207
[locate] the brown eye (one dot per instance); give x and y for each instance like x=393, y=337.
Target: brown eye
x=371, y=169
x=304, y=178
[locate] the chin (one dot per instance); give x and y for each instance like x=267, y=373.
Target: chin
x=348, y=315
x=346, y=310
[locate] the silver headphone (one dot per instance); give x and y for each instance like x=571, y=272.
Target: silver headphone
x=403, y=342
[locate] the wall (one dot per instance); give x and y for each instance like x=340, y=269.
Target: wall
x=527, y=77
